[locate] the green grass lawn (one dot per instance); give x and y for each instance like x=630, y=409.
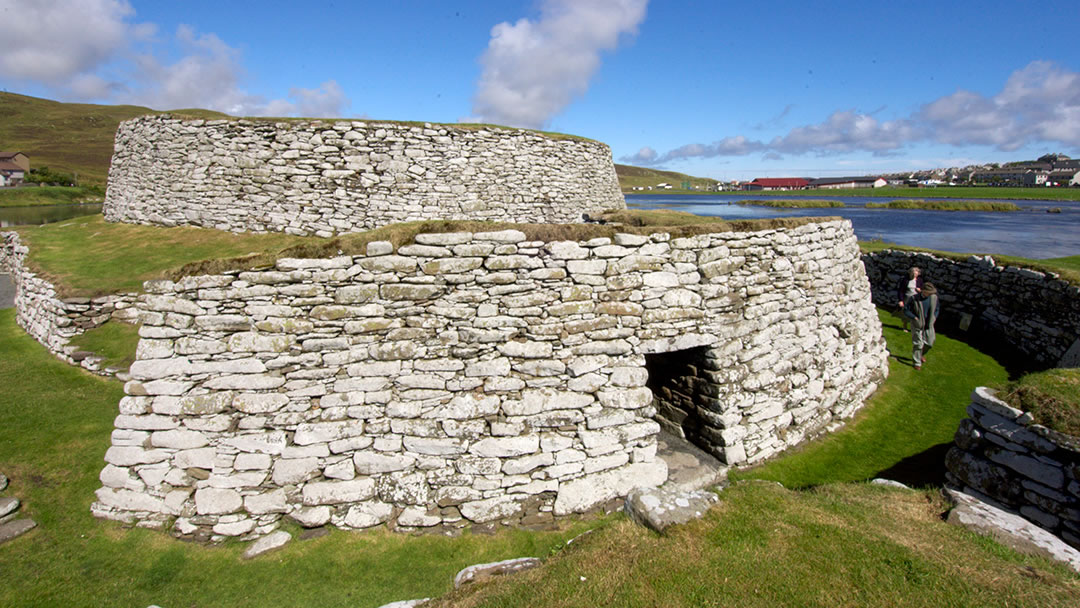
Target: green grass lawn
x=905, y=430
x=850, y=545
x=30, y=196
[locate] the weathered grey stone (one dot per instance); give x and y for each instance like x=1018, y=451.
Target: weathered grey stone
x=1009, y=529
x=661, y=508
x=580, y=495
x=15, y=528
x=483, y=572
x=491, y=509
x=265, y=544
x=217, y=501
x=368, y=514
x=338, y=492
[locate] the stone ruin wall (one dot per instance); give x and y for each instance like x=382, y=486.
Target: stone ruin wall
x=1003, y=458
x=335, y=176
x=51, y=319
x=1034, y=312
x=472, y=379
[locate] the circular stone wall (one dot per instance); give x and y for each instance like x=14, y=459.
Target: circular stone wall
x=328, y=177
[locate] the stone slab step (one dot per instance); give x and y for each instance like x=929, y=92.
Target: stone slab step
x=8, y=504
x=16, y=528
x=689, y=467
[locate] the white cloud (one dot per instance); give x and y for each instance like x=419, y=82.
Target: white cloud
x=53, y=41
x=533, y=69
x=1038, y=103
x=645, y=156
x=77, y=47
x=845, y=131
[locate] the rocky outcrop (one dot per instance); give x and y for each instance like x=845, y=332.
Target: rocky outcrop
x=1001, y=457
x=477, y=378
x=329, y=177
x=1036, y=313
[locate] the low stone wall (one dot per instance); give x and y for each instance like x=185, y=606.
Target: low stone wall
x=1037, y=313
x=49, y=319
x=328, y=177
x=1003, y=458
x=476, y=378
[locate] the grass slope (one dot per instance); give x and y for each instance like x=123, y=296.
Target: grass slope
x=630, y=177
x=766, y=546
x=72, y=137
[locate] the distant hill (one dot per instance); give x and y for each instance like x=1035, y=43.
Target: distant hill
x=631, y=177
x=70, y=137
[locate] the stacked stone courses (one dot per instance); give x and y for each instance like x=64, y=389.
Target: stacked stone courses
x=330, y=177
x=476, y=378
x=49, y=318
x=1002, y=457
x=1037, y=313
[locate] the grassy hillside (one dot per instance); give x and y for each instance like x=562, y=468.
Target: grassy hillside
x=72, y=137
x=630, y=176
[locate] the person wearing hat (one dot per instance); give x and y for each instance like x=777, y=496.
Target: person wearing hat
x=922, y=308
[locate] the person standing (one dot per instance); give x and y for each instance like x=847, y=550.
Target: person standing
x=922, y=308
x=907, y=287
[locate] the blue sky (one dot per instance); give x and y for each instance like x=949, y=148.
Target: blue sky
x=731, y=90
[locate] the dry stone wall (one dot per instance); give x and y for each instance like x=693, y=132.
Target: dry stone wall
x=1002, y=457
x=1037, y=313
x=328, y=177
x=51, y=320
x=475, y=378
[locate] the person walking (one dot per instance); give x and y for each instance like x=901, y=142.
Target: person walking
x=922, y=308
x=907, y=287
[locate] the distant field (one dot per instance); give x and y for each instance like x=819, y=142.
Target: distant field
x=30, y=196
x=74, y=138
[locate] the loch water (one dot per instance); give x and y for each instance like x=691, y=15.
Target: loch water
x=44, y=214
x=1032, y=232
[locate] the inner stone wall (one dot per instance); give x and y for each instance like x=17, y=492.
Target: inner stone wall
x=475, y=378
x=327, y=177
x=1035, y=312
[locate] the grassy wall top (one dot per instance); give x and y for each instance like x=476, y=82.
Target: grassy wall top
x=88, y=257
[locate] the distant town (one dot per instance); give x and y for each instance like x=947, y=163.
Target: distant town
x=1048, y=171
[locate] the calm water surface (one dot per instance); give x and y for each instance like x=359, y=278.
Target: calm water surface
x=1030, y=233
x=44, y=214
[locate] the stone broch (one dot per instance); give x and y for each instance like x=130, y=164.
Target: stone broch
x=478, y=378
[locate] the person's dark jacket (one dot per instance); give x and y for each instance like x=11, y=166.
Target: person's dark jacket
x=901, y=287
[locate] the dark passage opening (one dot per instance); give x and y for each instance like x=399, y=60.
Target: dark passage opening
x=681, y=389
